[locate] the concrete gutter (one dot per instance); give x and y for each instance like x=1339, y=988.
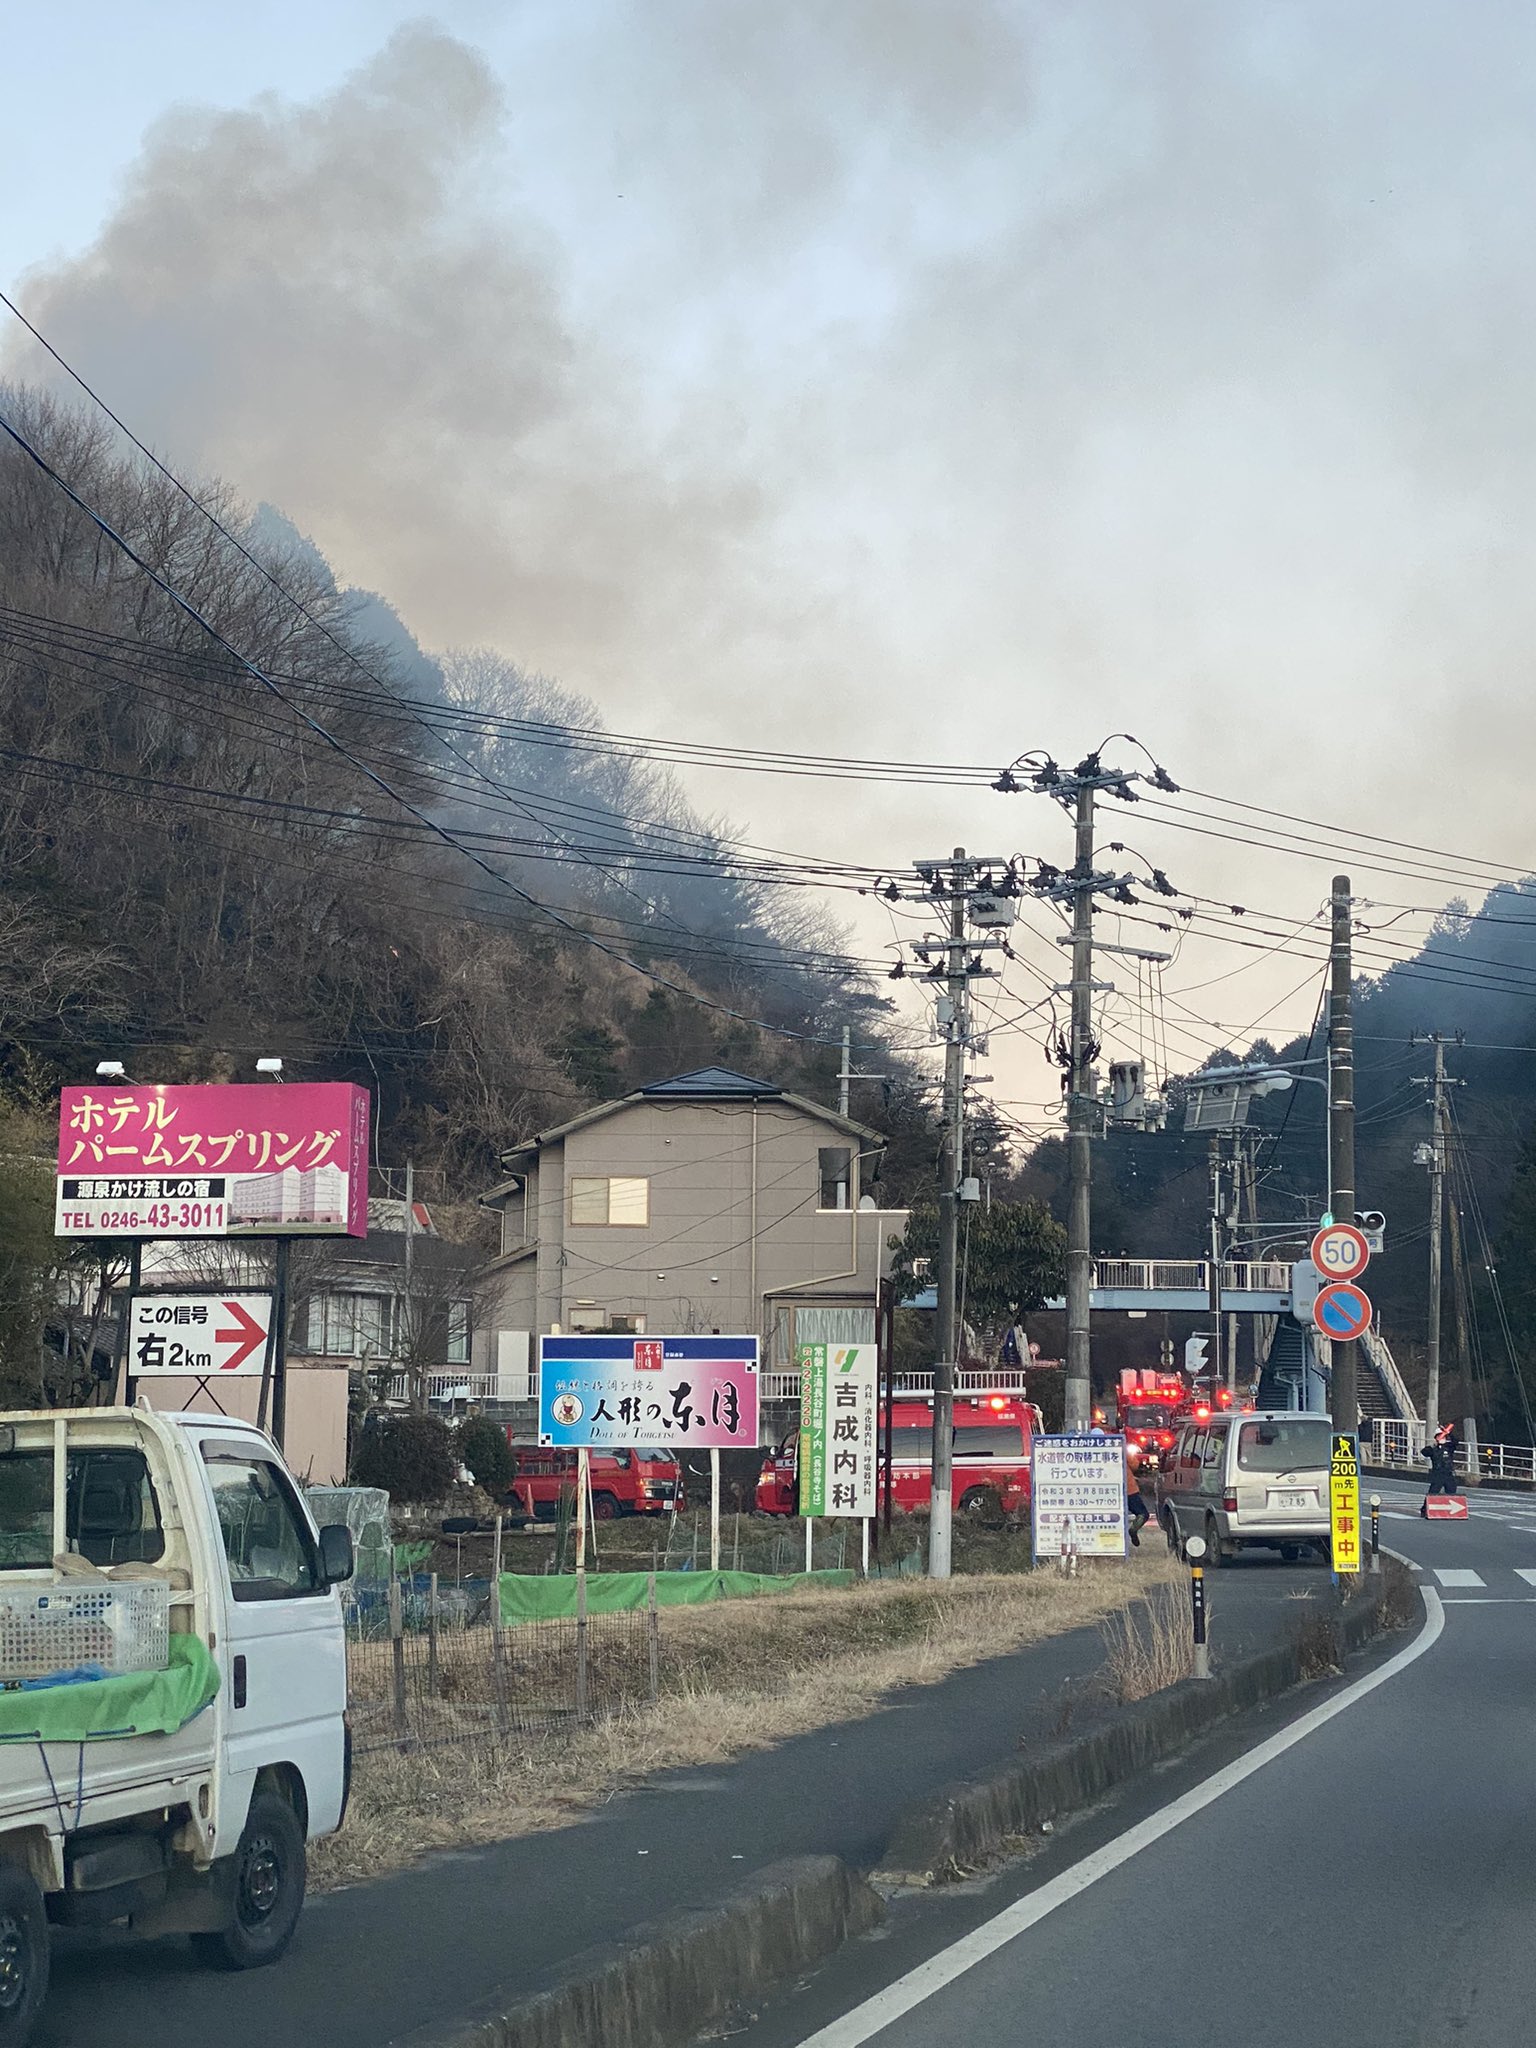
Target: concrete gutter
x=678, y=1977
x=681, y=1976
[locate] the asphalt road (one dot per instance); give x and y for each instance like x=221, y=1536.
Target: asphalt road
x=372, y=1964
x=1372, y=1883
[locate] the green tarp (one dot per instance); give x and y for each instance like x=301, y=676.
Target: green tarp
x=134, y=1703
x=553, y=1598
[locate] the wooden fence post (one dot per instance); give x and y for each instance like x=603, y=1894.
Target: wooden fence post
x=653, y=1638
x=581, y=1646
x=498, y=1652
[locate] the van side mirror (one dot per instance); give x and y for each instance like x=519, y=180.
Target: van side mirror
x=336, y=1561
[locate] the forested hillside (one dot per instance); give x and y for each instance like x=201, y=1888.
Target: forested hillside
x=196, y=869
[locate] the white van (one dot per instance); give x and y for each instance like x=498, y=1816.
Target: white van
x=173, y=1687
x=1244, y=1481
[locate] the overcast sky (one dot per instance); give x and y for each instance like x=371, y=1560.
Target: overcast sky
x=914, y=377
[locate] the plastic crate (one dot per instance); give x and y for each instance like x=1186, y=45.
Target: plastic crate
x=58, y=1627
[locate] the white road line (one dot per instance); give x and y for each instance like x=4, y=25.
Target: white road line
x=1458, y=1575
x=898, y=1999
x=1526, y=1572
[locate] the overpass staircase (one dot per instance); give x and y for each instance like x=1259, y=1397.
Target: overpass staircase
x=1291, y=1361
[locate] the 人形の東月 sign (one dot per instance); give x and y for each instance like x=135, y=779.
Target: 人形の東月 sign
x=698, y=1393
x=213, y=1160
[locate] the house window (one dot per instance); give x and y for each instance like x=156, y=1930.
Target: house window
x=458, y=1333
x=817, y=1323
x=836, y=1164
x=350, y=1325
x=611, y=1200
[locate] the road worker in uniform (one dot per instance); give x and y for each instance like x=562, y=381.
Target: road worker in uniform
x=1137, y=1512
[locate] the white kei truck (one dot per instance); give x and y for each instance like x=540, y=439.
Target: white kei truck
x=173, y=1688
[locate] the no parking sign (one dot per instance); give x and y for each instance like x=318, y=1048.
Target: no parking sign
x=1342, y=1312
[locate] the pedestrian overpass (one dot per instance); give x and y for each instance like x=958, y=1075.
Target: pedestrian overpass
x=1296, y=1371
x=1259, y=1287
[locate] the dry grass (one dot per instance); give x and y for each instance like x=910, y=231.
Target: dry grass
x=1149, y=1645
x=736, y=1676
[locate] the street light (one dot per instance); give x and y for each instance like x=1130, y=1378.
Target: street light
x=111, y=1070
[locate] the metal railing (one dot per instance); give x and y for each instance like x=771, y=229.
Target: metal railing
x=454, y=1384
x=1268, y=1276
x=1401, y=1444
x=1379, y=1356
x=989, y=1379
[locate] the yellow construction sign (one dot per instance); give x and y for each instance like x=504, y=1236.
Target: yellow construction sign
x=1344, y=1503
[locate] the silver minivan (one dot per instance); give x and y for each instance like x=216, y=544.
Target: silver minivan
x=1249, y=1480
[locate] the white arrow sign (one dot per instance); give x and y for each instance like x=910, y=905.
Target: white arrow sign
x=197, y=1335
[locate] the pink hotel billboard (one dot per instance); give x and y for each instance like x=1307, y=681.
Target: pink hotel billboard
x=242, y=1160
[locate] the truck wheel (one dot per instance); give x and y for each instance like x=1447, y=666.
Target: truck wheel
x=23, y=1953
x=269, y=1890
x=605, y=1507
x=982, y=1504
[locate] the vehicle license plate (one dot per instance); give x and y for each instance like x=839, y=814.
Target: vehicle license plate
x=1292, y=1500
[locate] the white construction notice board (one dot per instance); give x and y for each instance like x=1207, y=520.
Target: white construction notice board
x=1077, y=1490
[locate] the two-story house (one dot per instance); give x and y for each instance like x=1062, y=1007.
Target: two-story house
x=707, y=1202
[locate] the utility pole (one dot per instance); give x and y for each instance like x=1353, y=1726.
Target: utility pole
x=1341, y=1129
x=418, y=1378
x=941, y=1504
x=1081, y=1111
x=1213, y=1283
x=1077, y=790
x=953, y=881
x=1436, y=1165
x=845, y=1072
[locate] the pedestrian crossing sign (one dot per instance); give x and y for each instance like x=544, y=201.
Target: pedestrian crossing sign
x=1344, y=1503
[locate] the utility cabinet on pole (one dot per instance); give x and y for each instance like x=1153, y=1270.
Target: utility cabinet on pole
x=1345, y=1402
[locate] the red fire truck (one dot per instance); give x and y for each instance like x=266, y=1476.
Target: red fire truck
x=992, y=1439
x=1153, y=1407
x=624, y=1482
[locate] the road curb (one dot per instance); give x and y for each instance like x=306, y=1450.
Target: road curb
x=672, y=1979
x=970, y=1823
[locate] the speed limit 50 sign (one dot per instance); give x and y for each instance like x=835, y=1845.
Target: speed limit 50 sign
x=1340, y=1252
